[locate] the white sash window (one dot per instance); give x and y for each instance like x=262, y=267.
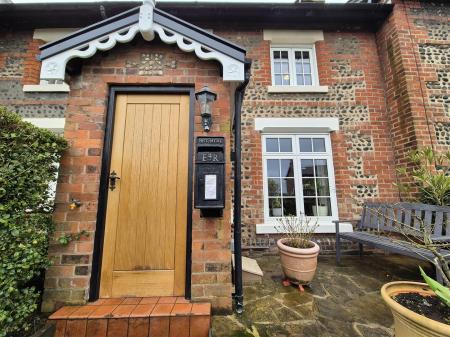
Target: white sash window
x=294, y=66
x=298, y=177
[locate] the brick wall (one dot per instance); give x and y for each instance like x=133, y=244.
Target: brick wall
x=363, y=157
x=415, y=56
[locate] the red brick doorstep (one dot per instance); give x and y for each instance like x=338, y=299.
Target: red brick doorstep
x=134, y=317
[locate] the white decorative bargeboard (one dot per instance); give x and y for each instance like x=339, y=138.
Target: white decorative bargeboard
x=53, y=67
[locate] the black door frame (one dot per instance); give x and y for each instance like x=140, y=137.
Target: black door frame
x=94, y=288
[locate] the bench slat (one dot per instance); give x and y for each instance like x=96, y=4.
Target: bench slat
x=427, y=219
x=438, y=223
x=387, y=218
x=417, y=217
x=408, y=217
x=388, y=244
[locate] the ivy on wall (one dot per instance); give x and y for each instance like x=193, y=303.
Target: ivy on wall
x=27, y=166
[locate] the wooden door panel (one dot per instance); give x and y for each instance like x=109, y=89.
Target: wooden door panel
x=145, y=227
x=144, y=283
x=129, y=208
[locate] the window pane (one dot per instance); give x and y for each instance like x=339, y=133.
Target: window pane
x=298, y=55
x=319, y=144
x=275, y=207
x=286, y=80
x=308, y=80
x=324, y=208
x=284, y=54
x=277, y=67
x=273, y=168
x=285, y=68
x=307, y=68
x=287, y=168
x=300, y=80
x=276, y=54
x=323, y=187
x=307, y=168
x=321, y=168
x=274, y=187
x=288, y=187
x=272, y=144
x=278, y=80
x=305, y=55
x=289, y=208
x=310, y=206
x=308, y=187
x=285, y=145
x=305, y=145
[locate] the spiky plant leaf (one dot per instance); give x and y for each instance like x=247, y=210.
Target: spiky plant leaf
x=442, y=292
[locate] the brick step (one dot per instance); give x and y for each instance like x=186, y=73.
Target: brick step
x=134, y=317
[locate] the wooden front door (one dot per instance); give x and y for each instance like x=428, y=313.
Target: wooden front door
x=144, y=249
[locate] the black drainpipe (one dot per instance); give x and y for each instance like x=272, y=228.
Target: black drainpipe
x=238, y=99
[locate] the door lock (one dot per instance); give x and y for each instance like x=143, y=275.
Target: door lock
x=112, y=180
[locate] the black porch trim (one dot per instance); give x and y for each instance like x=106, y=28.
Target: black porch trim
x=131, y=17
x=94, y=288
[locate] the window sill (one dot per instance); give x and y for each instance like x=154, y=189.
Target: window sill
x=323, y=228
x=53, y=124
x=289, y=89
x=63, y=87
x=304, y=125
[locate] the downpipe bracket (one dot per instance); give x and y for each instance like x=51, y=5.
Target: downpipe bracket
x=238, y=304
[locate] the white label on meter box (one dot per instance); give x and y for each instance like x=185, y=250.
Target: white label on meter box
x=210, y=187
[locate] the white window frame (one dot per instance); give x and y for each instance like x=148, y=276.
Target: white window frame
x=291, y=49
x=296, y=156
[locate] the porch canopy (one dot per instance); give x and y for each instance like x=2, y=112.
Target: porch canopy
x=149, y=21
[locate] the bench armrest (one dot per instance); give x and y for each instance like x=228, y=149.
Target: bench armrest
x=337, y=222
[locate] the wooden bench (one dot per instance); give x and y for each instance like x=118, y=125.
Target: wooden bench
x=379, y=221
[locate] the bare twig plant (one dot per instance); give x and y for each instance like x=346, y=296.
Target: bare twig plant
x=298, y=231
x=420, y=236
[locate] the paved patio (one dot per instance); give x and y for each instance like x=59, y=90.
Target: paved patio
x=342, y=301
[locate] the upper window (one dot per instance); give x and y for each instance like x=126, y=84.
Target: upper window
x=298, y=176
x=295, y=66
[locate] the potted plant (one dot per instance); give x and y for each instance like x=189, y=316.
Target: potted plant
x=276, y=207
x=421, y=309
x=321, y=210
x=298, y=253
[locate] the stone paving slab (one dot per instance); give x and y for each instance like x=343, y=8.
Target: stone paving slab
x=342, y=301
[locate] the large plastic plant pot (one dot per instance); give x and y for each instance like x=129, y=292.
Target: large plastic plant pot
x=407, y=322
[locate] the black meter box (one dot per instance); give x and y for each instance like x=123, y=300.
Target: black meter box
x=209, y=190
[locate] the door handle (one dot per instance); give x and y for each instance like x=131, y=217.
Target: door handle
x=112, y=180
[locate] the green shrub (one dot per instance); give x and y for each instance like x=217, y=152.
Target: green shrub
x=27, y=166
x=430, y=175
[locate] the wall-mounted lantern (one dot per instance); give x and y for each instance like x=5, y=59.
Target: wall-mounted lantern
x=206, y=99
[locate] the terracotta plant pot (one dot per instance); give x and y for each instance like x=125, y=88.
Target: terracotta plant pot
x=299, y=264
x=407, y=322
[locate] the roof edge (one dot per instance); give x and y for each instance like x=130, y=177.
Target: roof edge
x=346, y=16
